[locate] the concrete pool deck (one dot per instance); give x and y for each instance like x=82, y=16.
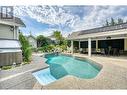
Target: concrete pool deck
x=21, y=77
x=112, y=76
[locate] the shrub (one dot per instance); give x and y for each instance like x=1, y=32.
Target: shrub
x=6, y=67
x=27, y=54
x=48, y=48
x=26, y=49
x=34, y=49
x=63, y=47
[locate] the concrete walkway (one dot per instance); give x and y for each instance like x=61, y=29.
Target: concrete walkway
x=21, y=77
x=112, y=76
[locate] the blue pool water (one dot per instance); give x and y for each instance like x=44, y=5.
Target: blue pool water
x=62, y=65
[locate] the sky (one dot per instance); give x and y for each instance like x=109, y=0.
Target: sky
x=43, y=20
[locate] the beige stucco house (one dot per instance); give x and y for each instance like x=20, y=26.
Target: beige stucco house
x=10, y=48
x=108, y=39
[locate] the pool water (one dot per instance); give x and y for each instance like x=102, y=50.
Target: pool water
x=61, y=65
x=64, y=65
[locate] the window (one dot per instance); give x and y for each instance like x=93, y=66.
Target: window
x=6, y=12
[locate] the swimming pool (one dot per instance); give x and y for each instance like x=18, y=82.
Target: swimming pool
x=62, y=65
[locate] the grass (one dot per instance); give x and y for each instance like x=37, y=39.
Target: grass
x=11, y=66
x=6, y=67
x=24, y=63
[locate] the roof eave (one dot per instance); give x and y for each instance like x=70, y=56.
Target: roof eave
x=100, y=34
x=12, y=24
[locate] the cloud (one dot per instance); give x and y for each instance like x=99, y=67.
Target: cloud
x=71, y=18
x=47, y=32
x=52, y=15
x=97, y=16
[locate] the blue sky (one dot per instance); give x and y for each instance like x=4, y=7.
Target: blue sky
x=43, y=20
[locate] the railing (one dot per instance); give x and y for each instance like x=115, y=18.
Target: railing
x=9, y=44
x=10, y=52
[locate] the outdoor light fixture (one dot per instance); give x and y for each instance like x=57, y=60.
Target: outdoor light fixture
x=108, y=37
x=11, y=28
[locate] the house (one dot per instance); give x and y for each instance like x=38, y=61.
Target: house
x=53, y=39
x=32, y=40
x=10, y=48
x=101, y=39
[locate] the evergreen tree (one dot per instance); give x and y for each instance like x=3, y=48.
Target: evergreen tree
x=112, y=22
x=26, y=49
x=120, y=20
x=107, y=23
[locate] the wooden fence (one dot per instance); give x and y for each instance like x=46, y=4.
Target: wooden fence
x=10, y=57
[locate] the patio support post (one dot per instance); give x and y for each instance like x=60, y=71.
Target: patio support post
x=79, y=44
x=17, y=32
x=96, y=45
x=125, y=44
x=14, y=32
x=72, y=46
x=89, y=47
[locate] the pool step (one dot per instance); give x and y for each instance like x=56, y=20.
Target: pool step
x=44, y=76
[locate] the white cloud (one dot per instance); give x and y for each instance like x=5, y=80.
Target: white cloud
x=49, y=32
x=63, y=17
x=97, y=16
x=46, y=32
x=47, y=14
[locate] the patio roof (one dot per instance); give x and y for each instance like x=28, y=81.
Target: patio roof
x=119, y=29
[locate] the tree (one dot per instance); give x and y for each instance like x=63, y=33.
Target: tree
x=107, y=23
x=61, y=41
x=26, y=49
x=120, y=20
x=112, y=22
x=43, y=41
x=58, y=36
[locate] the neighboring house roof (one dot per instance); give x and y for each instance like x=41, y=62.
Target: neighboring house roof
x=51, y=37
x=31, y=37
x=97, y=30
x=14, y=22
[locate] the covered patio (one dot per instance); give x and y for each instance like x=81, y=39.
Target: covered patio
x=111, y=40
